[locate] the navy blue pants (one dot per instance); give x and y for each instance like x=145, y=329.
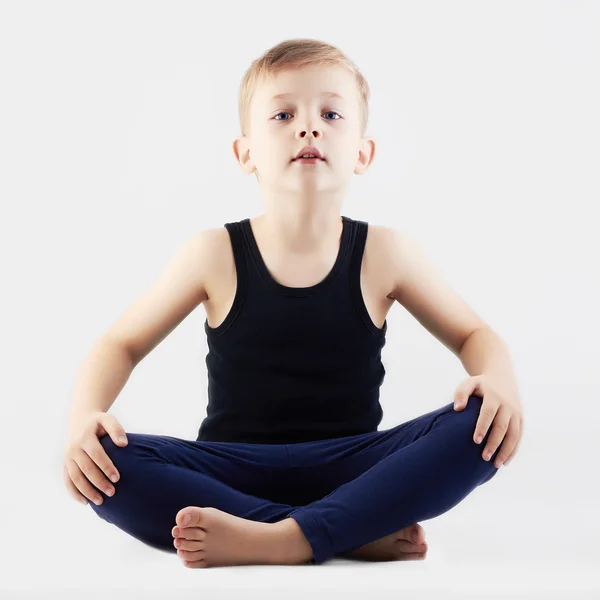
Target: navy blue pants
x=343, y=492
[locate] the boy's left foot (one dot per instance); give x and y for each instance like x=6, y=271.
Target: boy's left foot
x=213, y=537
x=406, y=544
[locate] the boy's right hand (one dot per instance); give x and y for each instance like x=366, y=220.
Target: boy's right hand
x=86, y=464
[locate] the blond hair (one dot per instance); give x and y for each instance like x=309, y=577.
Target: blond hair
x=296, y=54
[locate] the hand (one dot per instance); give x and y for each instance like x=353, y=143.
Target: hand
x=84, y=454
x=500, y=405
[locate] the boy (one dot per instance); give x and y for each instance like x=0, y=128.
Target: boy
x=288, y=466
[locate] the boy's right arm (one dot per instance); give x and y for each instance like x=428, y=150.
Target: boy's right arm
x=180, y=288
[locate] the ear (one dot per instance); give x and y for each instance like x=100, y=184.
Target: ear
x=366, y=154
x=241, y=150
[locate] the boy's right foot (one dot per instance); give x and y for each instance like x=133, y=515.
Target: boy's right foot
x=395, y=546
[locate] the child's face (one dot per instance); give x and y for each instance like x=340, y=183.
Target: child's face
x=280, y=128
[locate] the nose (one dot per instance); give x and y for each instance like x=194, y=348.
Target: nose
x=302, y=133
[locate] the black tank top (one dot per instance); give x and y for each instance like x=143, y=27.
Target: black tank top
x=292, y=364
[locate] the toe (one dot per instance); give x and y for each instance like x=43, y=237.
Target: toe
x=190, y=545
x=197, y=564
x=191, y=533
x=410, y=547
x=191, y=556
x=413, y=533
x=188, y=516
x=417, y=534
x=183, y=517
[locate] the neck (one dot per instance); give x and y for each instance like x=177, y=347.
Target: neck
x=300, y=232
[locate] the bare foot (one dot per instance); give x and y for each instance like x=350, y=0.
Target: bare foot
x=399, y=545
x=213, y=537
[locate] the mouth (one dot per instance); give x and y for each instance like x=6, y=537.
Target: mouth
x=310, y=150
x=308, y=161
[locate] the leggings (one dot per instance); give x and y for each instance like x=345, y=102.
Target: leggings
x=343, y=492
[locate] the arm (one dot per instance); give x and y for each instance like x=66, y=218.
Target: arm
x=421, y=289
x=179, y=289
x=101, y=378
x=485, y=353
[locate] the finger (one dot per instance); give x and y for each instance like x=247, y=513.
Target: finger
x=462, y=398
x=512, y=455
x=460, y=401
x=91, y=471
x=73, y=491
x=515, y=449
x=498, y=432
x=81, y=482
x=486, y=416
x=114, y=429
x=96, y=452
x=509, y=443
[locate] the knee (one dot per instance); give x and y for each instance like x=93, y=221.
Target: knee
x=122, y=459
x=467, y=418
x=119, y=455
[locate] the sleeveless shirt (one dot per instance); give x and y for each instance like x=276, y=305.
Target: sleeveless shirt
x=294, y=364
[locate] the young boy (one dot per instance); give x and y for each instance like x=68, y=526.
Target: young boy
x=288, y=466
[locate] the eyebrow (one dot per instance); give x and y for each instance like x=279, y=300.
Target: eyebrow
x=328, y=94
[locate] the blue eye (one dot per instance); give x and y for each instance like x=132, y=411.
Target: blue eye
x=285, y=112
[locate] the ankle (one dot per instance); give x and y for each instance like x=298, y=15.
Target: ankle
x=297, y=548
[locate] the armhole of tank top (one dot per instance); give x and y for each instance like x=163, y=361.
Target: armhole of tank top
x=362, y=228
x=235, y=239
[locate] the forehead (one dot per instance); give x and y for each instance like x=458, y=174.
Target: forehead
x=324, y=82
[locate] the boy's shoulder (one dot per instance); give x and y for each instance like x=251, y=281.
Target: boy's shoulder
x=214, y=252
x=213, y=246
x=381, y=254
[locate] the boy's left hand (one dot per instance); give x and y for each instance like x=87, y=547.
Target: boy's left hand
x=501, y=406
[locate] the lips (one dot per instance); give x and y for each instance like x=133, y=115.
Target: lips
x=309, y=150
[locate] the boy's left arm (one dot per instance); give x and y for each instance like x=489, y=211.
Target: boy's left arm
x=486, y=358
x=421, y=289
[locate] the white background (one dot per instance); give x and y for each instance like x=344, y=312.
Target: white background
x=116, y=124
